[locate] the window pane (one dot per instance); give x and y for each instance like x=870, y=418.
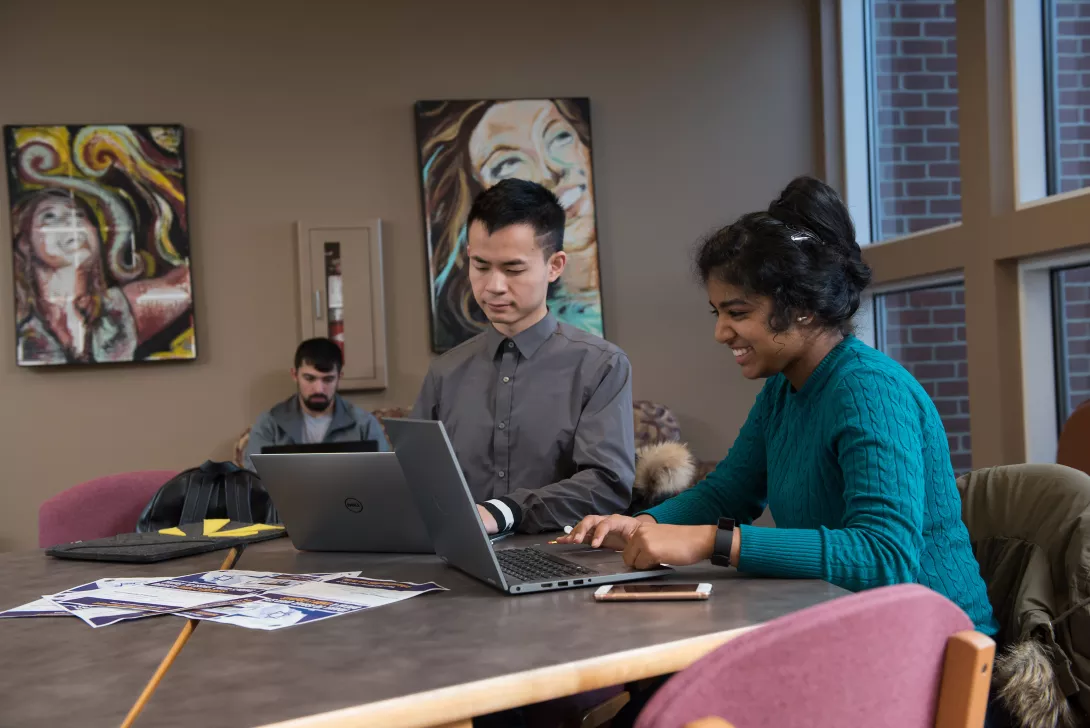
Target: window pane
x=1068, y=92
x=913, y=99
x=1071, y=291
x=924, y=330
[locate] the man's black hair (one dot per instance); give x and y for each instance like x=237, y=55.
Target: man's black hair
x=518, y=202
x=322, y=354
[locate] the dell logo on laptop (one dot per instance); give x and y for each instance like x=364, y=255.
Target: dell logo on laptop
x=353, y=505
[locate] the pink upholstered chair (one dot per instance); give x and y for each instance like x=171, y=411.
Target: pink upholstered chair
x=99, y=508
x=900, y=656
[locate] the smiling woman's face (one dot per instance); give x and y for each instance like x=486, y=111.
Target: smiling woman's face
x=532, y=140
x=742, y=323
x=61, y=235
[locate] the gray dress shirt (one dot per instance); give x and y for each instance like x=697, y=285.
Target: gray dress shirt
x=541, y=423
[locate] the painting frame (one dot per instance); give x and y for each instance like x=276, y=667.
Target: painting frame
x=124, y=187
x=577, y=298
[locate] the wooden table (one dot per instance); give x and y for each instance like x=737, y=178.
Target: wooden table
x=57, y=671
x=444, y=657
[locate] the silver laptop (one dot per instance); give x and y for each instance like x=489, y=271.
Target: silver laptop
x=443, y=499
x=344, y=502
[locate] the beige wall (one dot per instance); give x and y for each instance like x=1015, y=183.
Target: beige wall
x=701, y=111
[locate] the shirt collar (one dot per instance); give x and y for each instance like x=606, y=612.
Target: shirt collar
x=528, y=341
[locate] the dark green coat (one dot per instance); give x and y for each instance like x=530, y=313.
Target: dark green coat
x=1030, y=530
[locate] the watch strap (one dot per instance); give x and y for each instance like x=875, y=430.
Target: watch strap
x=724, y=539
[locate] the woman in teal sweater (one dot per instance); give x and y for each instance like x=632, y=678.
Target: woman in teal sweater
x=842, y=444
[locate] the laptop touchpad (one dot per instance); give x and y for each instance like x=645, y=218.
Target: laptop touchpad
x=586, y=556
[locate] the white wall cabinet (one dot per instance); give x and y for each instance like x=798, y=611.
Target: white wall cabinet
x=341, y=297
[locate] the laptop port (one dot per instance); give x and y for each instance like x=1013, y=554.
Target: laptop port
x=546, y=586
x=577, y=582
x=561, y=583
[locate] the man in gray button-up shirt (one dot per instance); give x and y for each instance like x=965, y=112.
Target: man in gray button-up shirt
x=539, y=412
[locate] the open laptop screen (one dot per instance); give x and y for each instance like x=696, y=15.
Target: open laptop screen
x=322, y=447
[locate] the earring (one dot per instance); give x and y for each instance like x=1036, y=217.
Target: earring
x=803, y=320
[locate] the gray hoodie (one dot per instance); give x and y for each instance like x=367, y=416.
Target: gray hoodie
x=283, y=425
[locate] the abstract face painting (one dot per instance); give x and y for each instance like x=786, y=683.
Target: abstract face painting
x=100, y=244
x=468, y=146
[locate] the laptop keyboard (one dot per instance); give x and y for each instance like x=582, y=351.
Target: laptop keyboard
x=534, y=565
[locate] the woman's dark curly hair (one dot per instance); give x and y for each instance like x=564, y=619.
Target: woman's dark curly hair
x=801, y=253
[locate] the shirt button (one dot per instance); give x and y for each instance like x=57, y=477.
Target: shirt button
x=501, y=473
x=510, y=345
x=506, y=380
x=503, y=425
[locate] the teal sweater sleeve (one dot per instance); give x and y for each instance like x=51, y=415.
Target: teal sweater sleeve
x=878, y=438
x=736, y=488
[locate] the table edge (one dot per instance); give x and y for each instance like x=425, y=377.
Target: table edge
x=462, y=702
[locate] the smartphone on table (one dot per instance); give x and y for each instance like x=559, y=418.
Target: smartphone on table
x=652, y=592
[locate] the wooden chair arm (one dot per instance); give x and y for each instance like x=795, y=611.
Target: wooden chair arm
x=966, y=676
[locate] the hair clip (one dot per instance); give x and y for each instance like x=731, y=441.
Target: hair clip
x=798, y=237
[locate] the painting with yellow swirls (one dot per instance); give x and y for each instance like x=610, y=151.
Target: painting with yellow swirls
x=100, y=240
x=465, y=147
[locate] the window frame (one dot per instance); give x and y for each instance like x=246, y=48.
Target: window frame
x=854, y=112
x=1061, y=352
x=1030, y=41
x=1049, y=84
x=1041, y=349
x=1008, y=220
x=870, y=108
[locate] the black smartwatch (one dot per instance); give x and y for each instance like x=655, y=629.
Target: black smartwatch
x=724, y=538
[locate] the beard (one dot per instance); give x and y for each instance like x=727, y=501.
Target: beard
x=317, y=402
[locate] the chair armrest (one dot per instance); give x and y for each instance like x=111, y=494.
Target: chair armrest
x=966, y=676
x=709, y=722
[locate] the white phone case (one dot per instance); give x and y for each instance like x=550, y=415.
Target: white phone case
x=603, y=593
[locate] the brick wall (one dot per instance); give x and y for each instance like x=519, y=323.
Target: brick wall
x=925, y=331
x=1071, y=94
x=914, y=108
x=1075, y=291
x=915, y=117
x=1070, y=101
x=915, y=105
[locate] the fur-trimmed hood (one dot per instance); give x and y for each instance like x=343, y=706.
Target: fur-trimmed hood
x=1026, y=683
x=663, y=470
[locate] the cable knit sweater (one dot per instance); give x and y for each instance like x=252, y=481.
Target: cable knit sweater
x=855, y=468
